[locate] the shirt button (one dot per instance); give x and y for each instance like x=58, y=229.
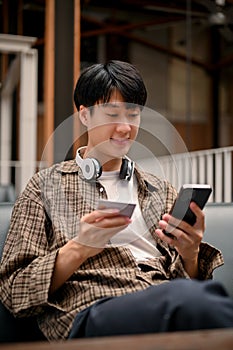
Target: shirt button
x=101, y=189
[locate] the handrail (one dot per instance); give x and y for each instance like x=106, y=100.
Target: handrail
x=212, y=166
x=14, y=171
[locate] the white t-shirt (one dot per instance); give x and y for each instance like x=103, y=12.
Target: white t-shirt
x=136, y=236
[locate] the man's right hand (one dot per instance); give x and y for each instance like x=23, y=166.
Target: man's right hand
x=95, y=231
x=97, y=228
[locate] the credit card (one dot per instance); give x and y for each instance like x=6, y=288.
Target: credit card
x=125, y=209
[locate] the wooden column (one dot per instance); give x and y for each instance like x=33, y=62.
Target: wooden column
x=49, y=81
x=64, y=77
x=77, y=39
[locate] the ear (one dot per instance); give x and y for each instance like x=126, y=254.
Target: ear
x=83, y=115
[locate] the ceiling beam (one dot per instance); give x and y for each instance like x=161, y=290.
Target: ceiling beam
x=168, y=51
x=106, y=28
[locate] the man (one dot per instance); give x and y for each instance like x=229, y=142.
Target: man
x=86, y=271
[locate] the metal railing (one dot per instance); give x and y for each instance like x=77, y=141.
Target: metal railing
x=11, y=173
x=212, y=166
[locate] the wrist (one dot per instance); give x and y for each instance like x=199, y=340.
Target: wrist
x=191, y=258
x=83, y=251
x=75, y=252
x=191, y=266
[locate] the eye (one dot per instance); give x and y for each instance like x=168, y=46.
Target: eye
x=133, y=114
x=113, y=115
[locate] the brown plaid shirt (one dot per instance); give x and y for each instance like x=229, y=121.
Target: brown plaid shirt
x=46, y=215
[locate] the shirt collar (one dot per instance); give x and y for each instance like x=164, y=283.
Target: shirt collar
x=69, y=166
x=146, y=180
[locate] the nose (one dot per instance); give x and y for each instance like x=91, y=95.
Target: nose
x=123, y=127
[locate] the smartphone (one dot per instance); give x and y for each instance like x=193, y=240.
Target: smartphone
x=197, y=193
x=125, y=209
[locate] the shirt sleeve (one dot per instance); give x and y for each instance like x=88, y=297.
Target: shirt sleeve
x=209, y=259
x=29, y=256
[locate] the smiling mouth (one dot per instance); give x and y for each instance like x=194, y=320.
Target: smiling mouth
x=121, y=141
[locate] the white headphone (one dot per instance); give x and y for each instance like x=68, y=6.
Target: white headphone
x=92, y=170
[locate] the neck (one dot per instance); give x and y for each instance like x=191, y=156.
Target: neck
x=107, y=163
x=112, y=165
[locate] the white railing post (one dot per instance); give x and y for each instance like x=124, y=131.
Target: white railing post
x=194, y=178
x=201, y=161
x=218, y=178
x=5, y=146
x=210, y=173
x=227, y=180
x=8, y=87
x=28, y=114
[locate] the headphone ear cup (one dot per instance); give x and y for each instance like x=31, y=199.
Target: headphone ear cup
x=91, y=169
x=126, y=170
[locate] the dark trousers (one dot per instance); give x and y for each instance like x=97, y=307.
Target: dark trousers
x=178, y=305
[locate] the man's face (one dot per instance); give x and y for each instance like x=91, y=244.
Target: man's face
x=112, y=127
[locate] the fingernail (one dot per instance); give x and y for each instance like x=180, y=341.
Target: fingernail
x=127, y=219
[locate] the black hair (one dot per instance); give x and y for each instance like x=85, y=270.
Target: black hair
x=97, y=82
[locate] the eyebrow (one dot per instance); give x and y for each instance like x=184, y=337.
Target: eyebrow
x=116, y=105
x=109, y=104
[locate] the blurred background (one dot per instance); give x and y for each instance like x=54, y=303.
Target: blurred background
x=183, y=49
